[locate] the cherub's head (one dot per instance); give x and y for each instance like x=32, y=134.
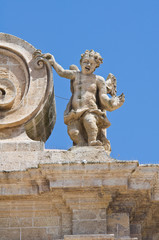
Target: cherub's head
x=89, y=61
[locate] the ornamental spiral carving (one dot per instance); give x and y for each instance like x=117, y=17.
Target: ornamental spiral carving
x=26, y=89
x=7, y=94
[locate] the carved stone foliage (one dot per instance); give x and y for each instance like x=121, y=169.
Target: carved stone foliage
x=26, y=91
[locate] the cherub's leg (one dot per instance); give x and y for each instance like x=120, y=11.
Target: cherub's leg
x=90, y=124
x=74, y=131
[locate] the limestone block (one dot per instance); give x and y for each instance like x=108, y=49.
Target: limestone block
x=144, y=177
x=85, y=153
x=87, y=200
x=53, y=232
x=89, y=221
x=13, y=234
x=46, y=221
x=4, y=222
x=66, y=220
x=20, y=222
x=116, y=181
x=93, y=214
x=128, y=166
x=13, y=189
x=66, y=228
x=89, y=227
x=118, y=224
x=34, y=234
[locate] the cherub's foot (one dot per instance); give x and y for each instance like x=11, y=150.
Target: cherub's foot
x=95, y=143
x=73, y=133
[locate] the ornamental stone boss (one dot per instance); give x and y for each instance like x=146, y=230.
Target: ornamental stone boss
x=85, y=114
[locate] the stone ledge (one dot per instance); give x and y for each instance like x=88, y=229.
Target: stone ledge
x=90, y=237
x=32, y=154
x=80, y=167
x=95, y=237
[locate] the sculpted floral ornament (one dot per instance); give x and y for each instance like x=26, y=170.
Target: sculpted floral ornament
x=85, y=114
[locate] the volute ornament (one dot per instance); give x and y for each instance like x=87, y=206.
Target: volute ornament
x=27, y=102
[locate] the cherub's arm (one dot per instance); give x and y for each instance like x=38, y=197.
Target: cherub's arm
x=70, y=74
x=109, y=104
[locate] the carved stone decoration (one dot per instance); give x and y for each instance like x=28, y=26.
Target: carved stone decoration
x=27, y=102
x=85, y=115
x=7, y=94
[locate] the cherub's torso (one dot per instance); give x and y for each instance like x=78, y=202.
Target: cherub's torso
x=84, y=91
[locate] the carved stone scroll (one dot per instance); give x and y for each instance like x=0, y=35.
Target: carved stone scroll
x=27, y=102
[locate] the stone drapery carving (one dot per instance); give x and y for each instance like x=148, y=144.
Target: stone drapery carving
x=85, y=113
x=26, y=91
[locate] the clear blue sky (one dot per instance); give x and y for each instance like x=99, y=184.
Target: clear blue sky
x=126, y=33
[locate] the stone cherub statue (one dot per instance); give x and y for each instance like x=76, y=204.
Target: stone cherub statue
x=85, y=114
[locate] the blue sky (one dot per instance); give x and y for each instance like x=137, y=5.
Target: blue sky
x=126, y=34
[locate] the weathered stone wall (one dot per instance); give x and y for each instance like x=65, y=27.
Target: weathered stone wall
x=77, y=194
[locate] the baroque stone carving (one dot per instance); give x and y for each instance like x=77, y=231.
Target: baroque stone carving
x=27, y=101
x=85, y=113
